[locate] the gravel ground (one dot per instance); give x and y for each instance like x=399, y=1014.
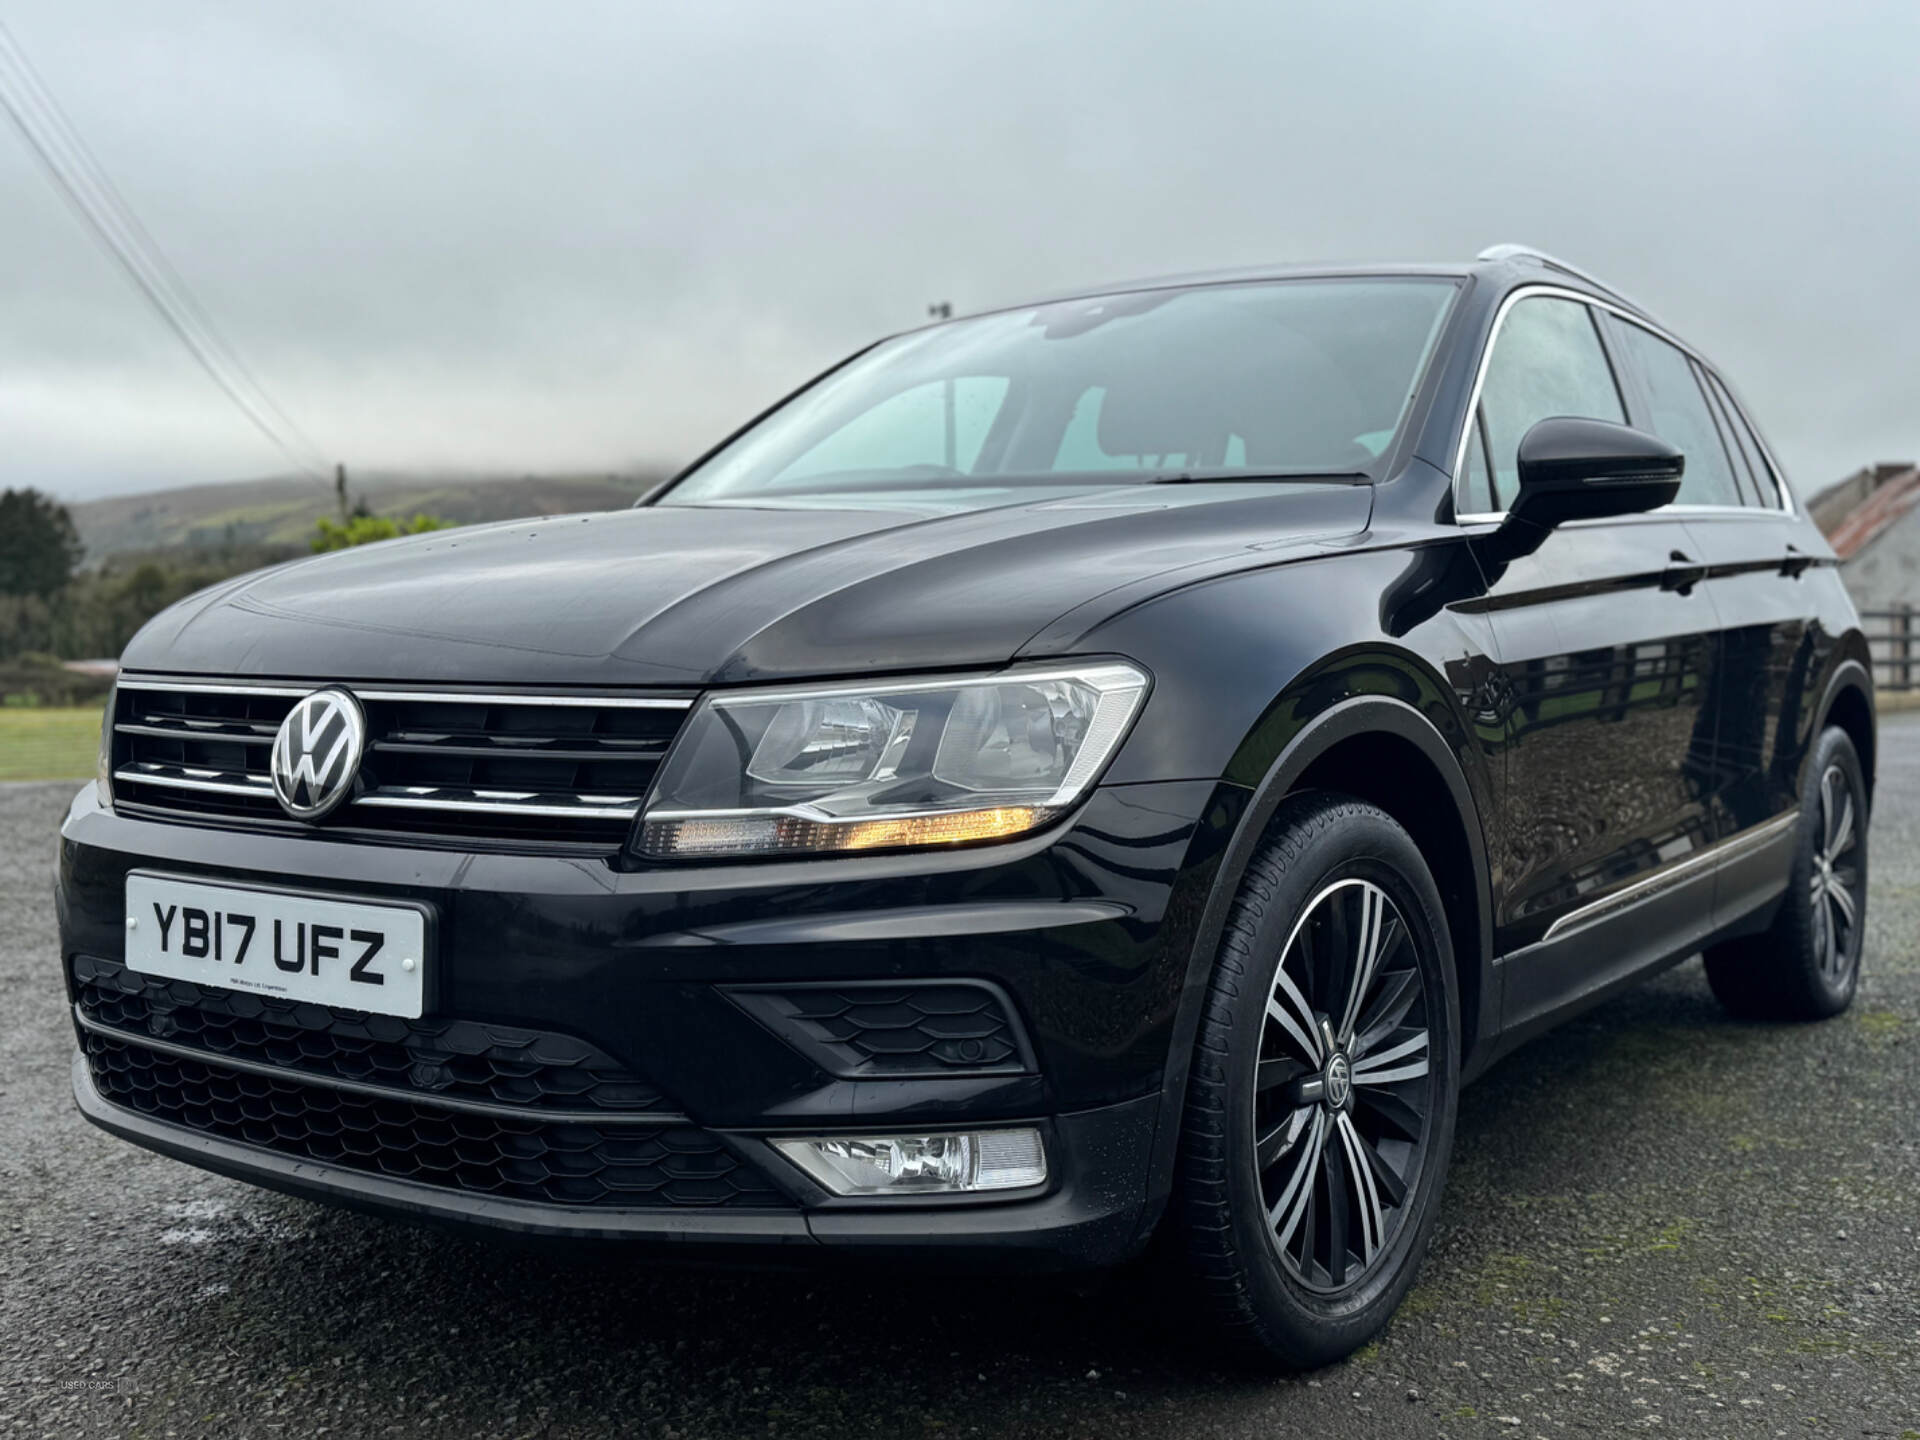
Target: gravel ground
x=1657, y=1220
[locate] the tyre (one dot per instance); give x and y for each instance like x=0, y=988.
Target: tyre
x=1320, y=1107
x=1806, y=964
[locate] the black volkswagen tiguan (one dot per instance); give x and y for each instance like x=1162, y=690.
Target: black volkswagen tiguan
x=1090, y=777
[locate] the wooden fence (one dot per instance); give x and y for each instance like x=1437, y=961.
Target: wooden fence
x=1890, y=635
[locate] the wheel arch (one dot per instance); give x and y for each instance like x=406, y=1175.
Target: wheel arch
x=1848, y=702
x=1406, y=750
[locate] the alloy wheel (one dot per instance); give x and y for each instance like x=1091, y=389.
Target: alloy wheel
x=1835, y=883
x=1343, y=1094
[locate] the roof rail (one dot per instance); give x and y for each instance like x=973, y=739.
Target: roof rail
x=1540, y=257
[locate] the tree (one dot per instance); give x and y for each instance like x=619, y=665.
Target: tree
x=365, y=529
x=39, y=548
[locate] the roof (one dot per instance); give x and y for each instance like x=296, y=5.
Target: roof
x=1494, y=258
x=1863, y=507
x=1240, y=274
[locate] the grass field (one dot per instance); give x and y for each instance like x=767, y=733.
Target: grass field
x=38, y=744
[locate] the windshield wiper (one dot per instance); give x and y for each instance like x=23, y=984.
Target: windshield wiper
x=1243, y=477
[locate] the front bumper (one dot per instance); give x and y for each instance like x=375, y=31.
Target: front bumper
x=1084, y=935
x=1092, y=1219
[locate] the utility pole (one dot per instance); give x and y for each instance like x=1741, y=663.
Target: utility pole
x=340, y=489
x=943, y=310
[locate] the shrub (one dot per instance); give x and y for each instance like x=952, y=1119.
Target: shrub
x=35, y=679
x=365, y=529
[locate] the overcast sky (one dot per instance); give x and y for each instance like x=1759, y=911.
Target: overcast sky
x=593, y=236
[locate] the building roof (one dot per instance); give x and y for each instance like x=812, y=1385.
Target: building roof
x=1864, y=506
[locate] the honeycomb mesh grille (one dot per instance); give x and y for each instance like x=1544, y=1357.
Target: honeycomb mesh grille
x=627, y=1166
x=458, y=1059
x=859, y=1030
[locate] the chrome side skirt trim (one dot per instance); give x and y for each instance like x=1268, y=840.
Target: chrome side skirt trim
x=1676, y=873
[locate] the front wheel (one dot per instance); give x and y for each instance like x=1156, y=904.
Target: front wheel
x=1321, y=1105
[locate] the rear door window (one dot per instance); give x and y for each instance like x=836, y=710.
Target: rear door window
x=1681, y=417
x=1742, y=466
x=1766, y=487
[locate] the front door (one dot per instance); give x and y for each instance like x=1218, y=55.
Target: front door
x=1604, y=636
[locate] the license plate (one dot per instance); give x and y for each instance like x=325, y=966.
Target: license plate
x=351, y=954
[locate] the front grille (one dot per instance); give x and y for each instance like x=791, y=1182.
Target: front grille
x=625, y=1166
x=440, y=767
x=456, y=1059
x=876, y=1028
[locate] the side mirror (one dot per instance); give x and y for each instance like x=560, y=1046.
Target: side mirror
x=1572, y=469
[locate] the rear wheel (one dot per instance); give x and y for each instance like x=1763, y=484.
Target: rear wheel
x=1321, y=1104
x=1806, y=964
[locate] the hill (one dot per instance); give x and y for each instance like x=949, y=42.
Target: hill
x=281, y=512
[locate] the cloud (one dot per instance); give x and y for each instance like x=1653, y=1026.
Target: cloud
x=588, y=236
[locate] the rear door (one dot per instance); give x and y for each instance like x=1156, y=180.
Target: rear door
x=1758, y=554
x=1604, y=636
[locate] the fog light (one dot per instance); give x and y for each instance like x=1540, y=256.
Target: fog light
x=921, y=1164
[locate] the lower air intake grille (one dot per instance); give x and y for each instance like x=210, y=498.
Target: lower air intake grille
x=893, y=1029
x=457, y=1059
x=494, y=769
x=624, y=1166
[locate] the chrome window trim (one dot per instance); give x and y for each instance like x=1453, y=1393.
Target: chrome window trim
x=1631, y=317
x=1644, y=517
x=381, y=692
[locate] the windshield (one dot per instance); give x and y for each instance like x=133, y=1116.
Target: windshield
x=1274, y=379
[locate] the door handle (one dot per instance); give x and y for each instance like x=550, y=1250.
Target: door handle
x=1682, y=574
x=1795, y=563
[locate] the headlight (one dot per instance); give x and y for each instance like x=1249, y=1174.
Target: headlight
x=103, y=760
x=872, y=767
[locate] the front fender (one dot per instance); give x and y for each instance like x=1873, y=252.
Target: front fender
x=1299, y=659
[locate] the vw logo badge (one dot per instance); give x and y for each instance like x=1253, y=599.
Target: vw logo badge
x=1339, y=1081
x=316, y=754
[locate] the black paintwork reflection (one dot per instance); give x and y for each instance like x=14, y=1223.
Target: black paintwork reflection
x=1783, y=615
x=1605, y=647
x=682, y=596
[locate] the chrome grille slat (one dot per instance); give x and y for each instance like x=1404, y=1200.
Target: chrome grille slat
x=553, y=806
x=203, y=730
x=505, y=750
x=180, y=777
x=441, y=697
x=447, y=766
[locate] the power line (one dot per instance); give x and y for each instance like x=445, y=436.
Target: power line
x=92, y=196
x=142, y=244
